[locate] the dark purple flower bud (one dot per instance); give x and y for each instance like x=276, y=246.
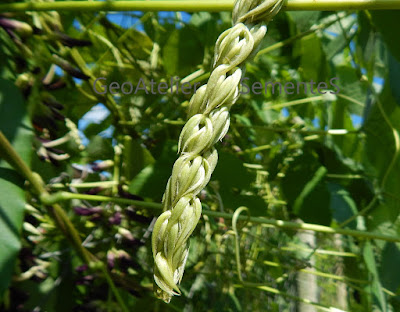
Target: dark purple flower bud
x=51, y=102
x=110, y=260
x=83, y=211
x=116, y=218
x=94, y=191
x=59, y=84
x=54, y=150
x=81, y=268
x=21, y=28
x=128, y=195
x=74, y=72
x=100, y=166
x=236, y=149
x=86, y=280
x=132, y=215
x=126, y=234
x=71, y=42
x=56, y=114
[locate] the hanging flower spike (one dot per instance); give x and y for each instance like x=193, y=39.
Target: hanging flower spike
x=208, y=123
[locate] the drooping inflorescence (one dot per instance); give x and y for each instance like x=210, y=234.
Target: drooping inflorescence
x=207, y=124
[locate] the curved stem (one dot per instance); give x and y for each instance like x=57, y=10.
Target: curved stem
x=195, y=6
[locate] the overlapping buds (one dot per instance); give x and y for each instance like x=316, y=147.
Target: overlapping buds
x=208, y=123
x=255, y=11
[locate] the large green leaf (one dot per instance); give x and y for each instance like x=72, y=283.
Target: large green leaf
x=151, y=181
x=379, y=298
x=15, y=126
x=386, y=22
x=342, y=205
x=182, y=52
x=306, y=190
x=388, y=270
x=381, y=157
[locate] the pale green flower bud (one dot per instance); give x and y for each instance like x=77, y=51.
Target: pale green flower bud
x=159, y=230
x=256, y=11
x=211, y=157
x=226, y=92
x=229, y=50
x=197, y=102
x=170, y=234
x=258, y=33
x=187, y=176
x=196, y=135
x=221, y=121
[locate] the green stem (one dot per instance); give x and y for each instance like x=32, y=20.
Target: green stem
x=190, y=6
x=195, y=6
x=235, y=218
x=316, y=273
x=61, y=196
x=102, y=184
x=298, y=36
x=114, y=288
x=8, y=153
x=285, y=294
x=304, y=226
x=117, y=164
x=295, y=102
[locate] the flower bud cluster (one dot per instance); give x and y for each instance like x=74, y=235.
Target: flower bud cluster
x=208, y=123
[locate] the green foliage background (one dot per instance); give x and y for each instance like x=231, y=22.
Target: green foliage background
x=280, y=159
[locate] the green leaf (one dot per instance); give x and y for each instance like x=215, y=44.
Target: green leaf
x=342, y=205
x=14, y=124
x=231, y=173
x=152, y=180
x=182, y=52
x=388, y=270
x=99, y=148
x=312, y=58
x=350, y=86
x=386, y=22
x=136, y=156
x=304, y=20
x=381, y=157
x=306, y=191
x=233, y=183
x=376, y=287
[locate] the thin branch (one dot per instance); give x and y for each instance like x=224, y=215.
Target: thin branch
x=195, y=6
x=285, y=294
x=62, y=196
